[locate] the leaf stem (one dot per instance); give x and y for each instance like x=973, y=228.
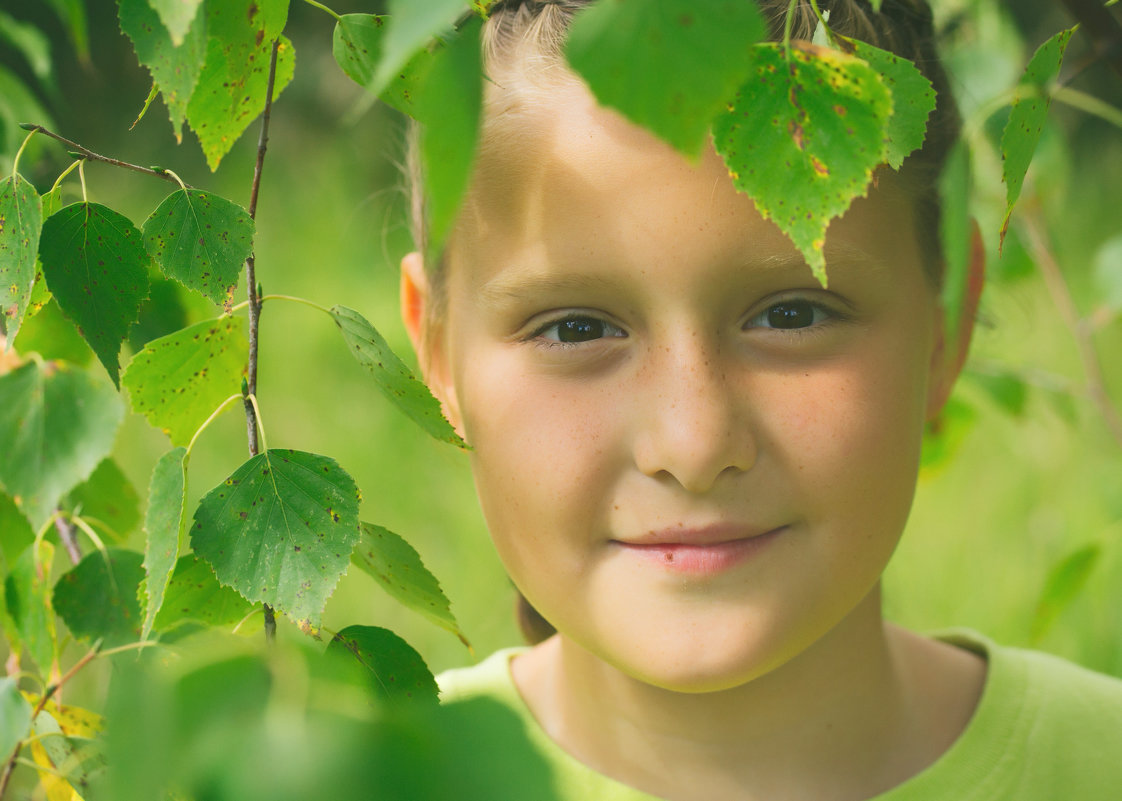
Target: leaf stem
x=179, y=180
x=295, y=299
x=15, y=161
x=221, y=408
x=1080, y=330
x=89, y=154
x=788, y=25
x=62, y=175
x=322, y=7
x=1089, y=104
x=252, y=399
x=82, y=178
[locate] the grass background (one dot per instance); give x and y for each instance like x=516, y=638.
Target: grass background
x=1019, y=492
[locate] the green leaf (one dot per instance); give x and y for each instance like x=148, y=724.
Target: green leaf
x=40, y=295
x=56, y=424
x=396, y=672
x=21, y=219
x=913, y=100
x=1065, y=581
x=201, y=240
x=395, y=380
x=98, y=598
x=281, y=530
x=231, y=89
x=357, y=45
x=174, y=62
x=27, y=593
x=408, y=86
x=802, y=139
x=1026, y=118
x=398, y=569
x=163, y=313
x=177, y=381
x=163, y=525
x=107, y=497
x=96, y=267
x=177, y=16
x=15, y=531
x=15, y=716
x=410, y=26
x=195, y=594
x=669, y=68
x=450, y=108
x=956, y=237
x=53, y=336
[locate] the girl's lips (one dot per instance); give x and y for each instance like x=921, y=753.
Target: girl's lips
x=700, y=558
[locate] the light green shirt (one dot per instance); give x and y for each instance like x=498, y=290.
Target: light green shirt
x=1044, y=730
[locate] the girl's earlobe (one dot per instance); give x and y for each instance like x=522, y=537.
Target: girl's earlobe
x=951, y=351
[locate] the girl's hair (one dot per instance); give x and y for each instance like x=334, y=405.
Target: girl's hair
x=523, y=43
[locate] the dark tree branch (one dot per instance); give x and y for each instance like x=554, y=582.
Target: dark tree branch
x=254, y=299
x=69, y=541
x=86, y=153
x=1099, y=24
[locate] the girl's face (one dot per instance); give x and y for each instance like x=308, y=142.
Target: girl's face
x=694, y=460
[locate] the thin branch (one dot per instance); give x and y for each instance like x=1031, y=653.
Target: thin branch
x=1080, y=329
x=66, y=534
x=254, y=300
x=88, y=154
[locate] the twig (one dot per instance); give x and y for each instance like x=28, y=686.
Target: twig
x=86, y=153
x=66, y=534
x=1102, y=27
x=1080, y=329
x=254, y=300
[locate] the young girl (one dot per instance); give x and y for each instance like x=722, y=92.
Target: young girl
x=695, y=462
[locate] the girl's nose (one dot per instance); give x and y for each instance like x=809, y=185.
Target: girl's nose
x=692, y=424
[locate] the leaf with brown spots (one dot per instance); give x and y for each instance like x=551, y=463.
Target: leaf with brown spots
x=178, y=380
x=194, y=594
x=396, y=672
x=201, y=240
x=913, y=100
x=21, y=218
x=280, y=530
x=97, y=269
x=803, y=137
x=398, y=569
x=357, y=45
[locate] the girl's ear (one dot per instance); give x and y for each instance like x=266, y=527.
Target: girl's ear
x=950, y=352
x=425, y=335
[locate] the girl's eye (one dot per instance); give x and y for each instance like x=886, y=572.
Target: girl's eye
x=573, y=330
x=790, y=315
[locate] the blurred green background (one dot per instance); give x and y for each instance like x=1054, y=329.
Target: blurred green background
x=1032, y=474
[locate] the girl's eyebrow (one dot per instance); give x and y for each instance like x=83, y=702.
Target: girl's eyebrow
x=518, y=286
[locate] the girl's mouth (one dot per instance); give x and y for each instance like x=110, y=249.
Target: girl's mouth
x=700, y=551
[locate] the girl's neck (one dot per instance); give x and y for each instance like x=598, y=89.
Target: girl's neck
x=861, y=710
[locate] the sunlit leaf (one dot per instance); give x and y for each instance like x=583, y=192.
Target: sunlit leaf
x=913, y=100
x=398, y=569
x=15, y=716
x=231, y=88
x=1026, y=119
x=1065, y=581
x=174, y=61
x=20, y=222
x=107, y=497
x=396, y=381
x=56, y=424
x=669, y=68
x=53, y=336
x=411, y=25
x=40, y=295
x=802, y=138
x=27, y=593
x=281, y=530
x=357, y=45
x=70, y=760
x=163, y=525
x=177, y=16
x=97, y=600
x=96, y=267
x=195, y=594
x=201, y=240
x=177, y=381
x=450, y=108
x=396, y=671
